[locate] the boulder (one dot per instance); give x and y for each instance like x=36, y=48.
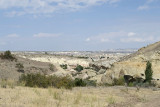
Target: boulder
x=107, y=77
x=101, y=71
x=97, y=78
x=91, y=73
x=82, y=76
x=156, y=82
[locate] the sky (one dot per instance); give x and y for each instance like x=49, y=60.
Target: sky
x=78, y=25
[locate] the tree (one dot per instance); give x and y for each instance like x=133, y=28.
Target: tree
x=64, y=66
x=7, y=55
x=148, y=72
x=79, y=68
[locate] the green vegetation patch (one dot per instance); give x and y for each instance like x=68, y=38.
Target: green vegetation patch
x=79, y=68
x=7, y=55
x=64, y=66
x=148, y=72
x=38, y=80
x=20, y=67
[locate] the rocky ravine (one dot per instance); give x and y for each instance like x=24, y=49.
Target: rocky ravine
x=94, y=67
x=135, y=64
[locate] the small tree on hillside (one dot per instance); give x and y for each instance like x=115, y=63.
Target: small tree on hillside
x=7, y=55
x=79, y=68
x=148, y=72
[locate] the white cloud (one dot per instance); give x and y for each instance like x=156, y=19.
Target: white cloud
x=139, y=39
x=106, y=37
x=144, y=7
x=13, y=35
x=122, y=36
x=88, y=39
x=42, y=35
x=131, y=34
x=147, y=5
x=20, y=7
x=105, y=40
x=132, y=40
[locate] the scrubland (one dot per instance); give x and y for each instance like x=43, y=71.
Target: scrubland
x=115, y=96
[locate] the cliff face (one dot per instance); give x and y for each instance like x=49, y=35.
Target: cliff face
x=135, y=64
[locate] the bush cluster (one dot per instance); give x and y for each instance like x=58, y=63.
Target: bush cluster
x=42, y=81
x=82, y=83
x=64, y=66
x=83, y=57
x=20, y=67
x=119, y=81
x=7, y=55
x=79, y=82
x=79, y=68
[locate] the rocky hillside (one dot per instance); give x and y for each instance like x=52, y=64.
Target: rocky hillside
x=135, y=64
x=95, y=65
x=12, y=69
x=147, y=51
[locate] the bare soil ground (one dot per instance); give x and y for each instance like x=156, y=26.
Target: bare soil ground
x=79, y=97
x=8, y=68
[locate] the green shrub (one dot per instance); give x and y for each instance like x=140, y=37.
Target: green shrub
x=34, y=80
x=90, y=82
x=131, y=84
x=119, y=81
x=7, y=55
x=82, y=83
x=64, y=66
x=79, y=82
x=83, y=57
x=148, y=72
x=20, y=67
x=79, y=68
x=42, y=81
x=61, y=82
x=87, y=68
x=38, y=80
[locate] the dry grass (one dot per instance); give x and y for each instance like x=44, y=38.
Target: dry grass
x=78, y=97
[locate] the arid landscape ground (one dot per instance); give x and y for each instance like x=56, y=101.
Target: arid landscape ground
x=101, y=67
x=116, y=96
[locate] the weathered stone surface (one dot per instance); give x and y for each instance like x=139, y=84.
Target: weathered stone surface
x=156, y=82
x=135, y=64
x=82, y=76
x=91, y=73
x=97, y=78
x=107, y=77
x=101, y=71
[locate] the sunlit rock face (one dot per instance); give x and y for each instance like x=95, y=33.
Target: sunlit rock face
x=95, y=64
x=135, y=64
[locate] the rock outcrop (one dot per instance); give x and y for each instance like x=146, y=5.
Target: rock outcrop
x=135, y=64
